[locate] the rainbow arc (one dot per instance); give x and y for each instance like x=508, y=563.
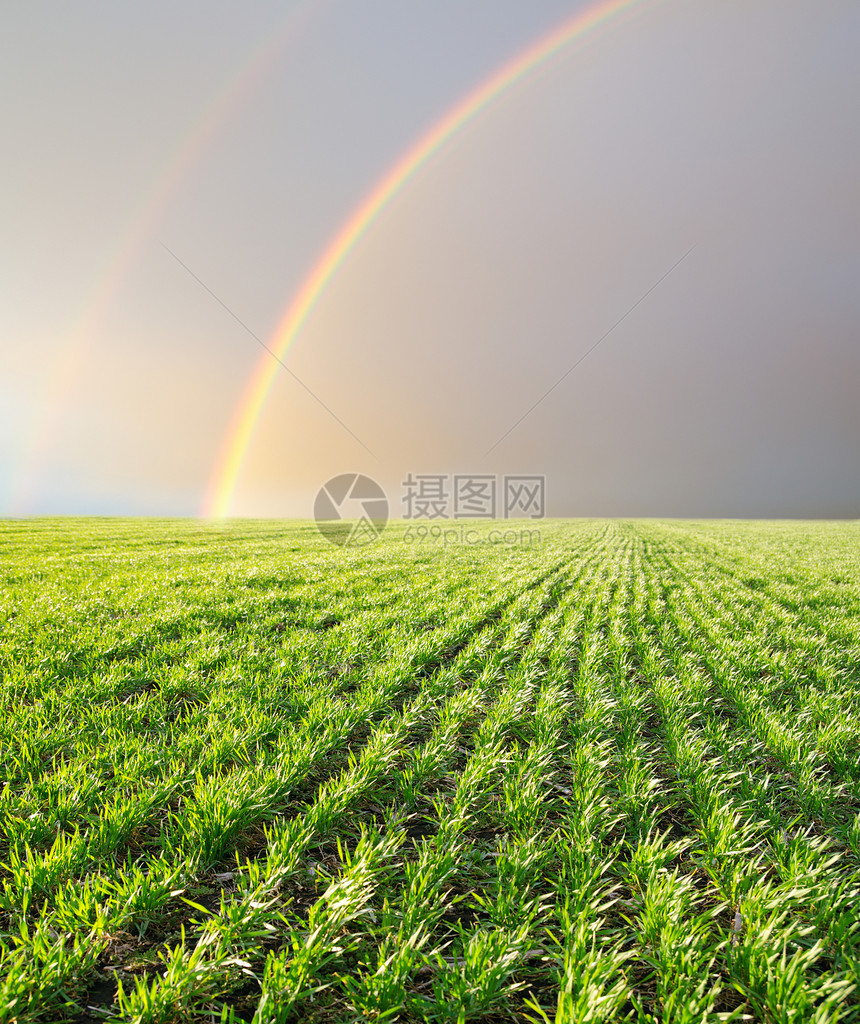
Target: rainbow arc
x=249, y=409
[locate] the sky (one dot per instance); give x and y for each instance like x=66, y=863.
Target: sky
x=633, y=272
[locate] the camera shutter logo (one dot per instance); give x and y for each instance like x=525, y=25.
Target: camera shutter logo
x=351, y=510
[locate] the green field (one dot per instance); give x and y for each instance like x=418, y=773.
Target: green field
x=611, y=776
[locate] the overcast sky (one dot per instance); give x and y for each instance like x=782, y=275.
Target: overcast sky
x=242, y=137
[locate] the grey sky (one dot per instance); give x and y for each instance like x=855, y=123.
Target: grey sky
x=728, y=126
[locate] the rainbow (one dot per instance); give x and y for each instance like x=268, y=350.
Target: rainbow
x=240, y=431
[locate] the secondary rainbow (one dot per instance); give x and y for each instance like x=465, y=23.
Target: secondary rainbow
x=241, y=429
x=69, y=361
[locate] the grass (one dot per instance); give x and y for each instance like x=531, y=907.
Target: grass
x=248, y=776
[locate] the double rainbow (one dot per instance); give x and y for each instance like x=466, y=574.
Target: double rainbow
x=238, y=437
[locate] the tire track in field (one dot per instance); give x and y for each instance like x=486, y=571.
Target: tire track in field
x=72, y=966
x=546, y=575
x=535, y=616
x=724, y=694
x=750, y=861
x=798, y=624
x=756, y=578
x=442, y=654
x=583, y=930
x=440, y=874
x=798, y=756
x=826, y=709
x=619, y=713
x=737, y=863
